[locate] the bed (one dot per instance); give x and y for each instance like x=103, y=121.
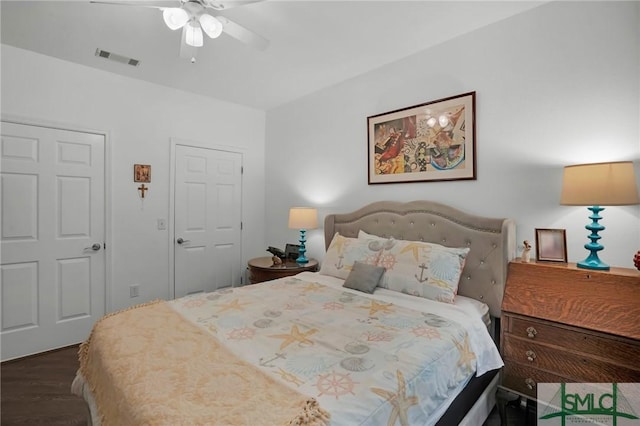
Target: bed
x=355, y=343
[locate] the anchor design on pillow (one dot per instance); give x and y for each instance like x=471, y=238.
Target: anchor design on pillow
x=423, y=268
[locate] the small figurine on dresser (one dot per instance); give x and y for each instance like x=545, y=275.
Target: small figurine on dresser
x=526, y=252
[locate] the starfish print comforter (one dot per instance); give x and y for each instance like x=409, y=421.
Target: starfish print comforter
x=366, y=360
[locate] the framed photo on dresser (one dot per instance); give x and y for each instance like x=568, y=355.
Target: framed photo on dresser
x=551, y=245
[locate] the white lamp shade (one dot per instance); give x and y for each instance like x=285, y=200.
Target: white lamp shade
x=600, y=184
x=210, y=25
x=303, y=218
x=175, y=17
x=193, y=37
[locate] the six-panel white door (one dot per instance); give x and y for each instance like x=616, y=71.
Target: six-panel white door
x=52, y=237
x=208, y=189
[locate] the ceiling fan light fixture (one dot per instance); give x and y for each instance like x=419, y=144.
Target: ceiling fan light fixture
x=175, y=17
x=193, y=36
x=210, y=25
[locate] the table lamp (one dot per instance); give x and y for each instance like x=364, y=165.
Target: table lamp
x=595, y=185
x=303, y=218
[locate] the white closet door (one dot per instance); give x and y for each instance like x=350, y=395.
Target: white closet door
x=52, y=237
x=208, y=189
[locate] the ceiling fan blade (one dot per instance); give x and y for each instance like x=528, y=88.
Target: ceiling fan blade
x=228, y=4
x=244, y=35
x=148, y=4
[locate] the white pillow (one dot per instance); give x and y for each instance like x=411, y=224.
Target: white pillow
x=343, y=252
x=364, y=236
x=422, y=269
x=386, y=242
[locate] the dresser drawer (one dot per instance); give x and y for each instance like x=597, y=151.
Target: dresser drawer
x=617, y=350
x=525, y=379
x=606, y=301
x=580, y=367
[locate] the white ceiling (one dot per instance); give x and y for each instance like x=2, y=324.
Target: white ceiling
x=313, y=44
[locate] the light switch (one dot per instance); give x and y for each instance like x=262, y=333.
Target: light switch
x=162, y=224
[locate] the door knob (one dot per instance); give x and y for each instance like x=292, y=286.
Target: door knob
x=94, y=247
x=181, y=241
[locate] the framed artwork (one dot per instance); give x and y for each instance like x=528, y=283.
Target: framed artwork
x=434, y=141
x=551, y=245
x=142, y=173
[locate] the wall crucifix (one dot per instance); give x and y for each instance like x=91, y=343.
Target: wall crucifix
x=142, y=189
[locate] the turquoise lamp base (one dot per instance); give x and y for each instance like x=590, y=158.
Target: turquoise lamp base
x=596, y=264
x=593, y=261
x=302, y=259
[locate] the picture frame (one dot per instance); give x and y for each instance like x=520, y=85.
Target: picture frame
x=142, y=173
x=433, y=141
x=291, y=251
x=551, y=245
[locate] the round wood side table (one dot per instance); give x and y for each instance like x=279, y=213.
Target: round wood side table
x=262, y=269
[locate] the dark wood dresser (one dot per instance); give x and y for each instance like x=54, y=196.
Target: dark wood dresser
x=565, y=324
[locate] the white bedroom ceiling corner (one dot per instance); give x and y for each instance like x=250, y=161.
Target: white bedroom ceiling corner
x=313, y=44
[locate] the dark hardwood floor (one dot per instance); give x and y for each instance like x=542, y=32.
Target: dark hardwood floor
x=36, y=390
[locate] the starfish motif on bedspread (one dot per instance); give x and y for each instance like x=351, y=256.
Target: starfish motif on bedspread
x=399, y=400
x=466, y=354
x=234, y=304
x=312, y=287
x=295, y=336
x=376, y=307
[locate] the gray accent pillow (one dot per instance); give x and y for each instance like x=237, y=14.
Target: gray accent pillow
x=364, y=277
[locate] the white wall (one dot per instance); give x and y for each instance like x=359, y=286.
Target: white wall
x=140, y=119
x=557, y=85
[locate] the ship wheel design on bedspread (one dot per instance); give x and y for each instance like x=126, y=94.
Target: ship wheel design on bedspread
x=333, y=306
x=335, y=384
x=425, y=331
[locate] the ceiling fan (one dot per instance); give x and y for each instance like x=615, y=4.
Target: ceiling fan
x=194, y=19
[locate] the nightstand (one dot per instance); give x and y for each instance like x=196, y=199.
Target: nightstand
x=561, y=324
x=262, y=269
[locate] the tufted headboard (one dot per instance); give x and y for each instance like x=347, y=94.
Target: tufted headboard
x=491, y=240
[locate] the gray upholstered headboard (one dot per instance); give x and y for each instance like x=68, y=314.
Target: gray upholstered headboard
x=491, y=240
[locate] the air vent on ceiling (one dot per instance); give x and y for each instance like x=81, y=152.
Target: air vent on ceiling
x=117, y=58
